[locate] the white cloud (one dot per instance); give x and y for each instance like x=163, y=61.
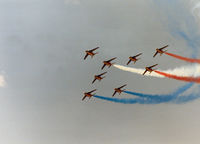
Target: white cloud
x=74, y=2
x=2, y=81
x=195, y=7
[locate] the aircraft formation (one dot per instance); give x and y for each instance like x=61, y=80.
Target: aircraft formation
x=109, y=63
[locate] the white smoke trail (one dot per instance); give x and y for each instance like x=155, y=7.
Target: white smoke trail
x=191, y=70
x=137, y=71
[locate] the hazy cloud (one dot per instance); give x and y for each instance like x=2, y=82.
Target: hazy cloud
x=2, y=81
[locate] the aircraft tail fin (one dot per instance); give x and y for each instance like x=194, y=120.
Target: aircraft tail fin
x=136, y=60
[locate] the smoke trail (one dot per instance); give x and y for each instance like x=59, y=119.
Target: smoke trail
x=190, y=70
x=162, y=97
x=182, y=78
x=123, y=100
x=152, y=99
x=183, y=58
x=187, y=98
x=137, y=71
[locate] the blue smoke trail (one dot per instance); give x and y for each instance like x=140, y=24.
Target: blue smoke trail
x=188, y=98
x=154, y=99
x=122, y=100
x=162, y=98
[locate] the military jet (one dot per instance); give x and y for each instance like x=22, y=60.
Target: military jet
x=108, y=63
x=160, y=50
x=149, y=69
x=91, y=52
x=118, y=90
x=133, y=58
x=88, y=94
x=98, y=77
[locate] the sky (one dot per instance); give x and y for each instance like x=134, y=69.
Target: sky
x=43, y=75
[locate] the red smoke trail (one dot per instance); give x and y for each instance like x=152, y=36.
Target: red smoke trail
x=183, y=58
x=182, y=78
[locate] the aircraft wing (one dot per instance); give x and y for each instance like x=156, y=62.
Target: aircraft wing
x=84, y=98
x=94, y=49
x=102, y=73
x=138, y=55
x=92, y=91
x=155, y=54
x=164, y=47
x=144, y=72
x=128, y=62
x=103, y=66
x=122, y=86
x=112, y=59
x=85, y=56
x=153, y=66
x=94, y=80
x=114, y=93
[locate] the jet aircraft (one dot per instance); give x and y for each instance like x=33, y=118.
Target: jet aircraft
x=91, y=52
x=160, y=50
x=88, y=94
x=133, y=58
x=119, y=90
x=149, y=69
x=108, y=63
x=98, y=77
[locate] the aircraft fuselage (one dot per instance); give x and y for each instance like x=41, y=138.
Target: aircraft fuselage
x=133, y=59
x=88, y=95
x=107, y=63
x=90, y=53
x=159, y=51
x=98, y=78
x=149, y=69
x=118, y=90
